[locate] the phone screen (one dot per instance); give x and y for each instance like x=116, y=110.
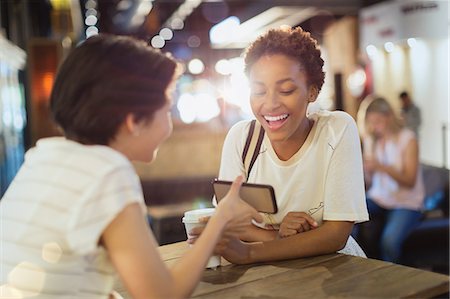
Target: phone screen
x=259, y=196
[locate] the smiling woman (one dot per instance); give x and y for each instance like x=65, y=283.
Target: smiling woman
x=74, y=214
x=312, y=161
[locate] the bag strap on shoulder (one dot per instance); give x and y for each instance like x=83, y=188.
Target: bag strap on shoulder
x=252, y=145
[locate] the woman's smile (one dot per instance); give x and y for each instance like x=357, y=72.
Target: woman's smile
x=275, y=122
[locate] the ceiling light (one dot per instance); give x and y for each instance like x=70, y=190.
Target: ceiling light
x=271, y=18
x=91, y=30
x=220, y=33
x=196, y=66
x=371, y=50
x=194, y=41
x=176, y=24
x=223, y=67
x=166, y=33
x=124, y=5
x=411, y=42
x=90, y=20
x=184, y=10
x=157, y=42
x=389, y=47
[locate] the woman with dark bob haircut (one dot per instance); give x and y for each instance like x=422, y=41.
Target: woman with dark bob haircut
x=75, y=214
x=313, y=161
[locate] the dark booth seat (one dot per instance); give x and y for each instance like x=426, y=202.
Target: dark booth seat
x=428, y=245
x=168, y=199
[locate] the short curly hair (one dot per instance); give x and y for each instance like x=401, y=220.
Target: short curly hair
x=292, y=42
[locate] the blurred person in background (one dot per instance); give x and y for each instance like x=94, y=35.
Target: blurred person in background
x=395, y=188
x=410, y=113
x=313, y=162
x=75, y=214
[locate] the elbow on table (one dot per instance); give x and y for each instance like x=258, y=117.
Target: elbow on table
x=334, y=245
x=340, y=245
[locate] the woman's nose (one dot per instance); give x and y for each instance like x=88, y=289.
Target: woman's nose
x=272, y=100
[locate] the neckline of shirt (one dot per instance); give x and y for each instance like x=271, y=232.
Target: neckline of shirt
x=300, y=153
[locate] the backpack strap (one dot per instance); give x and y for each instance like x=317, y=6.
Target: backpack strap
x=252, y=146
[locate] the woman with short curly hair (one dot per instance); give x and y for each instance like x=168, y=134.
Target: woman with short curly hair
x=312, y=161
x=74, y=216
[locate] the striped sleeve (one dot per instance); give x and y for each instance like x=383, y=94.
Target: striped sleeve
x=100, y=205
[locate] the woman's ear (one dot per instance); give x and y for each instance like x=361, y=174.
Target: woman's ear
x=313, y=92
x=131, y=125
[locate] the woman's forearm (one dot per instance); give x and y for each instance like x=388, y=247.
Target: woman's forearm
x=197, y=255
x=404, y=179
x=255, y=234
x=328, y=238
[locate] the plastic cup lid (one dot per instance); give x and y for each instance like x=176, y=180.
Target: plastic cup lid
x=194, y=215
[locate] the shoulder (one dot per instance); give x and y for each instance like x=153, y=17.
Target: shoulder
x=239, y=130
x=97, y=159
x=406, y=136
x=241, y=126
x=334, y=125
x=334, y=120
x=341, y=118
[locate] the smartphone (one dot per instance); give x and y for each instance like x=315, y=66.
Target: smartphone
x=259, y=196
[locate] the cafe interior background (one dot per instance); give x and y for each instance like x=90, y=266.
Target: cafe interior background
x=369, y=47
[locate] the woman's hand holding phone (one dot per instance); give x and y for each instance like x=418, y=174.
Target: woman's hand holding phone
x=237, y=213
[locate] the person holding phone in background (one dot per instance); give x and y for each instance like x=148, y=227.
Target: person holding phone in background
x=313, y=162
x=75, y=215
x=395, y=187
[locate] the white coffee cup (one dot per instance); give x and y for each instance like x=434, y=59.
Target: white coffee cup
x=191, y=220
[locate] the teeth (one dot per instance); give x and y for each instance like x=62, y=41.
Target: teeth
x=275, y=118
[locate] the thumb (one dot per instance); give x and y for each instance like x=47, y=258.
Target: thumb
x=236, y=186
x=234, y=191
x=257, y=216
x=311, y=221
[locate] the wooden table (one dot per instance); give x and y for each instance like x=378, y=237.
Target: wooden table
x=333, y=275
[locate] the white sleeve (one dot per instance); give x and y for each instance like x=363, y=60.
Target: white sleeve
x=344, y=186
x=100, y=205
x=231, y=162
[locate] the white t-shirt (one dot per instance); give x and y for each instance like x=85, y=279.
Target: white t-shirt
x=384, y=190
x=53, y=215
x=324, y=178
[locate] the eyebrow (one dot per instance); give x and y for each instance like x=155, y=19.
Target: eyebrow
x=281, y=81
x=284, y=80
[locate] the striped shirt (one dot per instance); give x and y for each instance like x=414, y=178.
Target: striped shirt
x=52, y=217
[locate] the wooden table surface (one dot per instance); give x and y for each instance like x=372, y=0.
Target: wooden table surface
x=333, y=275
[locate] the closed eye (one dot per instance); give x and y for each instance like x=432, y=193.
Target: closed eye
x=258, y=93
x=287, y=92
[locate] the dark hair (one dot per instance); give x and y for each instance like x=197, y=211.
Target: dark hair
x=295, y=43
x=403, y=94
x=103, y=80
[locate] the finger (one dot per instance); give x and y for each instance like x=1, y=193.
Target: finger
x=301, y=217
x=236, y=186
x=195, y=231
x=256, y=216
x=304, y=227
x=287, y=233
x=190, y=241
x=311, y=221
x=204, y=219
x=218, y=250
x=292, y=225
